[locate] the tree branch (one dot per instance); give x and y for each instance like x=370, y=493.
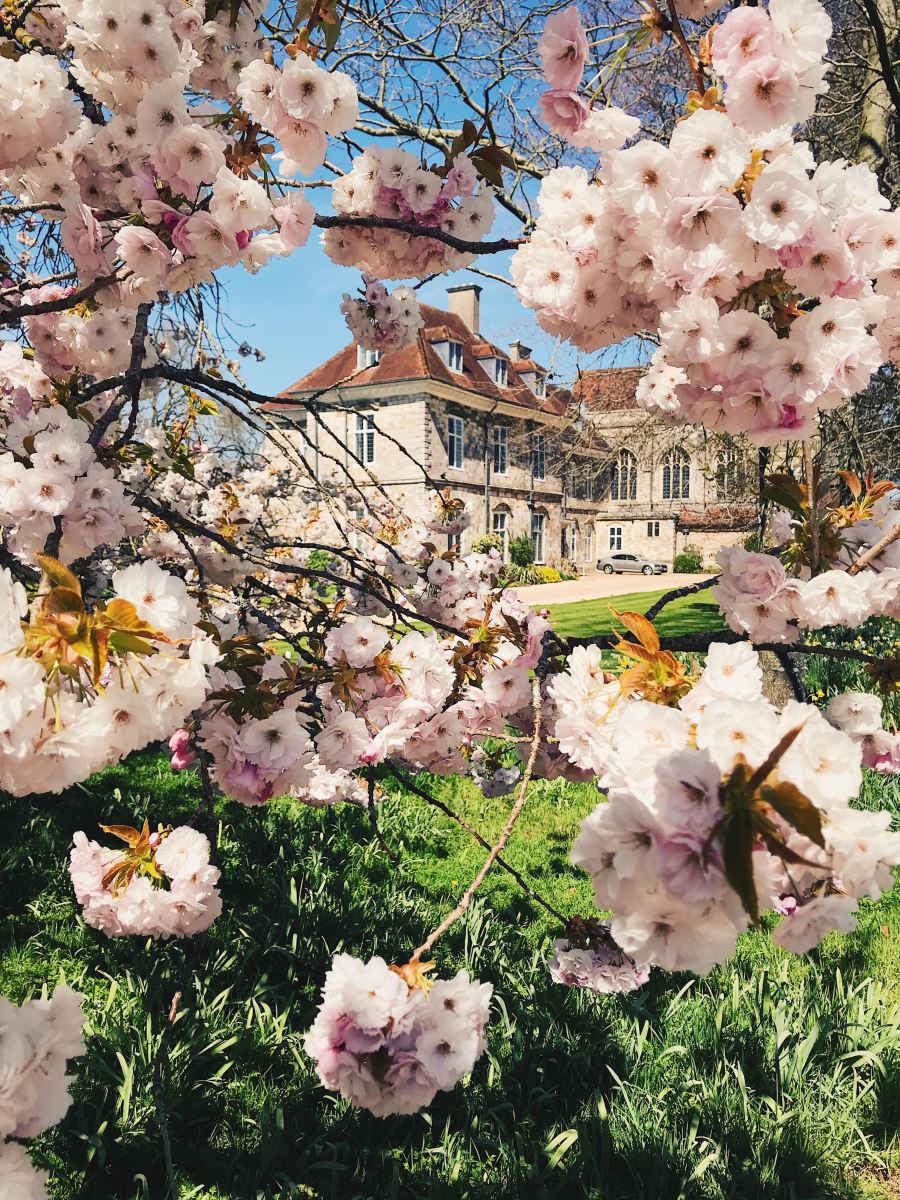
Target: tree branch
x=425, y=231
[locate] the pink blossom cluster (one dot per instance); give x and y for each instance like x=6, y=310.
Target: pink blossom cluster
x=256, y=759
x=50, y=473
x=404, y=701
x=652, y=849
x=150, y=195
x=772, y=62
x=56, y=731
x=599, y=966
x=859, y=714
x=382, y=320
x=95, y=343
x=36, y=1040
x=390, y=1047
x=759, y=598
x=301, y=104
x=177, y=897
x=563, y=50
x=38, y=106
x=769, y=280
x=214, y=497
x=392, y=183
x=21, y=1181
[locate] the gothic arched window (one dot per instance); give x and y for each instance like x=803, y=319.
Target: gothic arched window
x=676, y=475
x=729, y=474
x=623, y=479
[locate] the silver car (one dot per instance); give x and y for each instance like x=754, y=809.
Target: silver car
x=630, y=562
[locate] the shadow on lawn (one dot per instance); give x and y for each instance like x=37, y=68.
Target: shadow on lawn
x=642, y=1087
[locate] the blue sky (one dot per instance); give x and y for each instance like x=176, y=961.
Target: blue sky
x=291, y=311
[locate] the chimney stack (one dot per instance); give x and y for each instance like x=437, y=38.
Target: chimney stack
x=463, y=301
x=518, y=351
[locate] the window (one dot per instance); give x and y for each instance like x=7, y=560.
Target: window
x=454, y=542
x=455, y=357
x=365, y=438
x=501, y=449
x=540, y=386
x=501, y=371
x=615, y=537
x=623, y=481
x=455, y=442
x=373, y=357
x=538, y=455
x=501, y=529
x=729, y=474
x=653, y=529
x=538, y=520
x=676, y=476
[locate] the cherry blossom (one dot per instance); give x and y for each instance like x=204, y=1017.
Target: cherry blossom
x=388, y=1039
x=163, y=886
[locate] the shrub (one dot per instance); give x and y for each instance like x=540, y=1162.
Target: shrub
x=689, y=561
x=549, y=574
x=521, y=551
x=522, y=576
x=484, y=543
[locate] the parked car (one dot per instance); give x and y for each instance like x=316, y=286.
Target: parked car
x=630, y=562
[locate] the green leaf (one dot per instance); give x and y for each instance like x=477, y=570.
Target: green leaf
x=332, y=31
x=790, y=803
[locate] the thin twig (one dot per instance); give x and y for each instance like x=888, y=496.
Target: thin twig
x=476, y=883
x=809, y=471
x=373, y=821
x=678, y=34
x=406, y=782
x=874, y=551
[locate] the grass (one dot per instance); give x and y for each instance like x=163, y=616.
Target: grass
x=775, y=1078
x=688, y=614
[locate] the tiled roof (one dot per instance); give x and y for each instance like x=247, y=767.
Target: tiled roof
x=608, y=388
x=422, y=361
x=720, y=517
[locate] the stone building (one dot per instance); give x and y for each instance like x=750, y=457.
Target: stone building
x=578, y=471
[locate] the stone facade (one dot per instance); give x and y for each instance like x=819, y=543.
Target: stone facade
x=579, y=475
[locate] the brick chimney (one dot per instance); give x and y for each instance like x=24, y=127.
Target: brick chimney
x=518, y=351
x=464, y=301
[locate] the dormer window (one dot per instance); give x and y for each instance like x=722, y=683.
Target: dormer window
x=455, y=357
x=501, y=372
x=534, y=379
x=367, y=358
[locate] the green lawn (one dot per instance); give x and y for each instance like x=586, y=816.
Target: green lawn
x=688, y=614
x=775, y=1078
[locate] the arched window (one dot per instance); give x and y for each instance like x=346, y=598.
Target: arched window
x=676, y=475
x=729, y=474
x=623, y=480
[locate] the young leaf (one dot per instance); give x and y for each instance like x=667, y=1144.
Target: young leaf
x=790, y=803
x=737, y=847
x=641, y=628
x=59, y=575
